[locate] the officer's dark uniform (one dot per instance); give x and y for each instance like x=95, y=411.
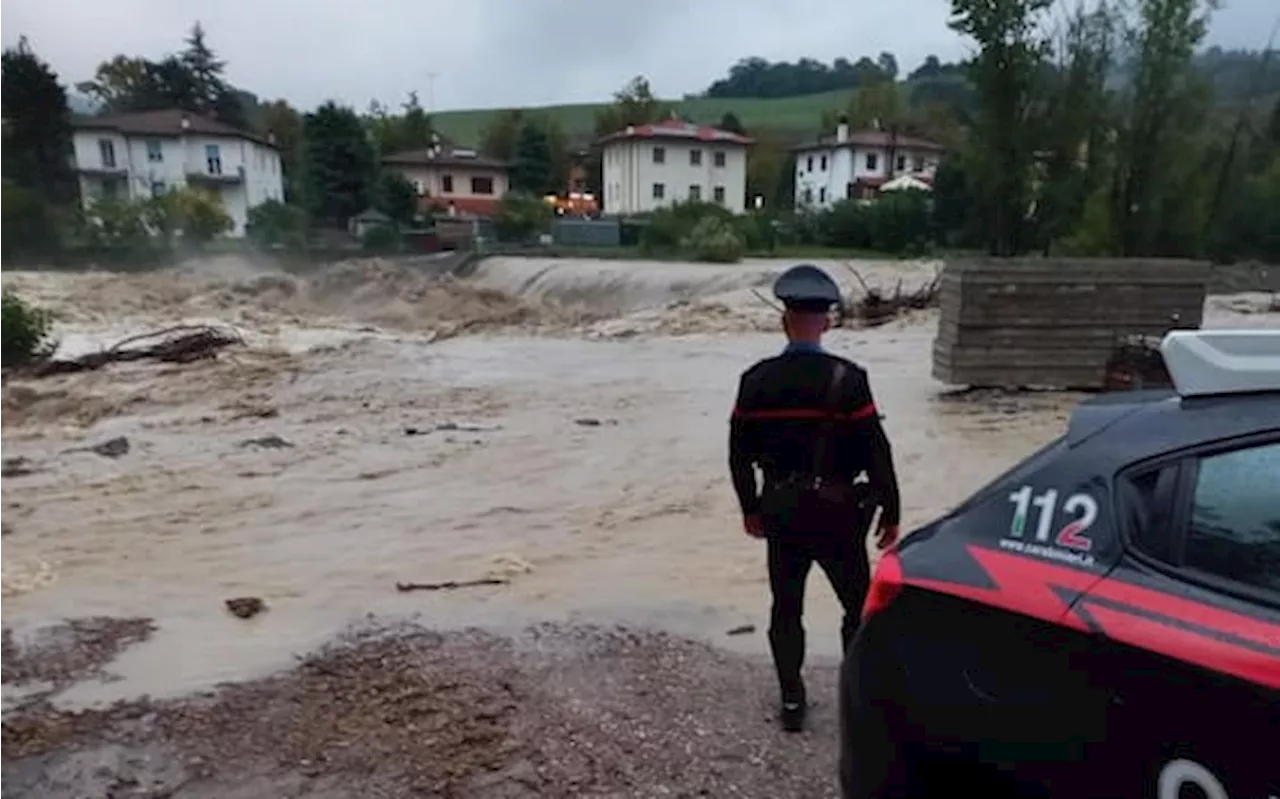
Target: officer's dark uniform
x=810, y=511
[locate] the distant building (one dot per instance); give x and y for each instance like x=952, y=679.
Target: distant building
x=647, y=167
x=458, y=180
x=141, y=155
x=855, y=165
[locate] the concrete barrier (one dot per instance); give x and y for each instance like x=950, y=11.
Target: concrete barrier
x=1054, y=323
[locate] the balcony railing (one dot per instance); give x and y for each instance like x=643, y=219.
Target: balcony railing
x=201, y=171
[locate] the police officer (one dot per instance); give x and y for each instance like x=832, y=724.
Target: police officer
x=806, y=420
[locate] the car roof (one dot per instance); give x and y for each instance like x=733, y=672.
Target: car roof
x=1143, y=424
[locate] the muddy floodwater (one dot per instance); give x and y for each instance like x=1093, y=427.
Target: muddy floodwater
x=561, y=425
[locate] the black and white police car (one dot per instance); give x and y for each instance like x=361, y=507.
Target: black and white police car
x=1101, y=621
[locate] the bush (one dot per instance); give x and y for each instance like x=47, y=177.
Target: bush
x=200, y=215
x=30, y=226
x=714, y=239
x=25, y=330
x=669, y=227
x=275, y=224
x=381, y=240
x=521, y=216
x=899, y=222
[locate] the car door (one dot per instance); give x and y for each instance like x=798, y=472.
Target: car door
x=1189, y=627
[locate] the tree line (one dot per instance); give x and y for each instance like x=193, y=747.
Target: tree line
x=1233, y=74
x=1059, y=157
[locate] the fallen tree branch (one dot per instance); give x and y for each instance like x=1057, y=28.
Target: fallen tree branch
x=179, y=344
x=874, y=307
x=449, y=585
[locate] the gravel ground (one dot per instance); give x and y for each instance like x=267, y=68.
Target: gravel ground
x=402, y=711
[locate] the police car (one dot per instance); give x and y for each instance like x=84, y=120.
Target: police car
x=1101, y=621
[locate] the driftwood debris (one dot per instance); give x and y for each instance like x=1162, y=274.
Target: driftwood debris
x=875, y=306
x=179, y=344
x=449, y=585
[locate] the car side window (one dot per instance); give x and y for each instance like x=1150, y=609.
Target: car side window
x=1234, y=530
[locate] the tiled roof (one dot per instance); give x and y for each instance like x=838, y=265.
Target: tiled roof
x=880, y=139
x=165, y=123
x=677, y=129
x=444, y=156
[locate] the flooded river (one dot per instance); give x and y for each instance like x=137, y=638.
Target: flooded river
x=582, y=458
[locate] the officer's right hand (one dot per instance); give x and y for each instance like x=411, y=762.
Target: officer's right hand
x=886, y=536
x=753, y=525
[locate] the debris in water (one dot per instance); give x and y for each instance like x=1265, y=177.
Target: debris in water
x=180, y=344
x=744, y=629
x=17, y=467
x=451, y=427
x=112, y=448
x=267, y=442
x=876, y=307
x=246, y=607
x=449, y=585
x=590, y=421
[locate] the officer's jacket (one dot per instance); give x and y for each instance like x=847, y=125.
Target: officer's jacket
x=784, y=406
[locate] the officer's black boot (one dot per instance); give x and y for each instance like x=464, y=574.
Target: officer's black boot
x=787, y=643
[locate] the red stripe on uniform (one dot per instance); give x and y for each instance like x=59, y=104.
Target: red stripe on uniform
x=865, y=412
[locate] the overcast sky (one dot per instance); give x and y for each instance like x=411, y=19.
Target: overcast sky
x=502, y=53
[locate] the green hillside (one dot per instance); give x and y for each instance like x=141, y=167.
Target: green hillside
x=800, y=114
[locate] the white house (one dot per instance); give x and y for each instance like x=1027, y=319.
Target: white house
x=148, y=153
x=649, y=166
x=854, y=166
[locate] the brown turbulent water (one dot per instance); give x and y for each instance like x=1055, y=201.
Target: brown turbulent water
x=577, y=451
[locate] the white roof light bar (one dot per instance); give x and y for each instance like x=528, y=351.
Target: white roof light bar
x=1207, y=362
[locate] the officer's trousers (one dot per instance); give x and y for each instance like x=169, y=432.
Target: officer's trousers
x=843, y=557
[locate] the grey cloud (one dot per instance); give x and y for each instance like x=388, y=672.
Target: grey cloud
x=496, y=53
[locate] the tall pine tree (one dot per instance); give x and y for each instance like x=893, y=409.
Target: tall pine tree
x=37, y=126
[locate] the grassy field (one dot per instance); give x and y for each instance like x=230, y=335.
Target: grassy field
x=801, y=114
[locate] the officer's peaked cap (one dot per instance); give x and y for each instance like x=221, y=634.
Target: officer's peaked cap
x=806, y=288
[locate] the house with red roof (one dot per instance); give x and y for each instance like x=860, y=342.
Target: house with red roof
x=458, y=180
x=650, y=166
x=854, y=165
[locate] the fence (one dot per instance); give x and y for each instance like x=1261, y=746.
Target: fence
x=586, y=232
x=1054, y=323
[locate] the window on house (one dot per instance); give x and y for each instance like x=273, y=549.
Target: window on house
x=848, y=191
x=446, y=184
x=1235, y=520
x=718, y=194
x=917, y=164
x=695, y=193
x=419, y=188
x=659, y=155
x=872, y=162
x=481, y=185
x=213, y=159
x=155, y=153
x=719, y=158
x=807, y=196
x=695, y=158
x=157, y=188
x=901, y=164
x=822, y=195
x=107, y=151
x=809, y=164
x=824, y=164
x=659, y=191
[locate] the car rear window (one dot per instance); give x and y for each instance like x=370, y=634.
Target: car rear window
x=1235, y=519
